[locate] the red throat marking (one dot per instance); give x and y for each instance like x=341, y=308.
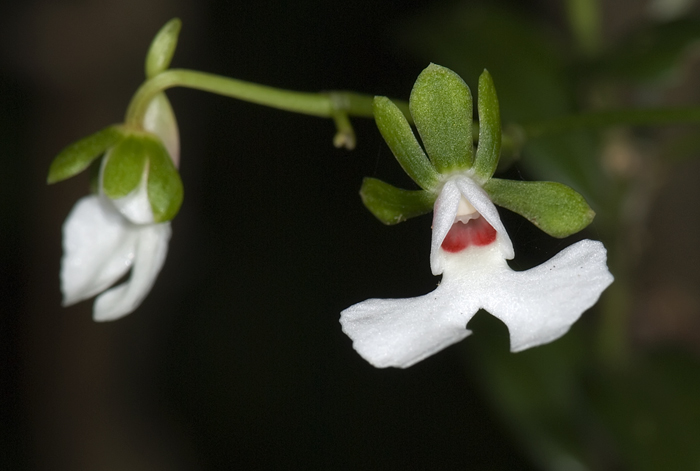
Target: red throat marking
x=476, y=232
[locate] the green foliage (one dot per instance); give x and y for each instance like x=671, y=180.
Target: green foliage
x=78, y=156
x=555, y=208
x=393, y=205
x=441, y=106
x=651, y=54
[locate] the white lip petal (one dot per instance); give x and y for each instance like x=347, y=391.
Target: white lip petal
x=151, y=250
x=483, y=204
x=402, y=332
x=98, y=249
x=541, y=304
x=537, y=305
x=444, y=212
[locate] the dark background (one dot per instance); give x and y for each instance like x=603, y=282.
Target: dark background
x=236, y=359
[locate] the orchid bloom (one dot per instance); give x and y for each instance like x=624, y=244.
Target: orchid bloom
x=470, y=245
x=126, y=225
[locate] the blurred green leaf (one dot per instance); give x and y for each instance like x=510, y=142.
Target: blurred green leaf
x=521, y=54
x=536, y=393
x=651, y=410
x=652, y=54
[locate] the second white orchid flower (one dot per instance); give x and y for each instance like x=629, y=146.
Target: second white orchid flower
x=126, y=225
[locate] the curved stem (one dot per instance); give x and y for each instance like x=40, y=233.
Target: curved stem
x=643, y=117
x=337, y=104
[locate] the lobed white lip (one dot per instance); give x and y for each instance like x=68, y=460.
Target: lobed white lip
x=538, y=305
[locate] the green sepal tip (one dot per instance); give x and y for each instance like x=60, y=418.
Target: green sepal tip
x=488, y=152
x=162, y=48
x=393, y=205
x=441, y=106
x=165, y=189
x=78, y=156
x=399, y=136
x=124, y=166
x=556, y=209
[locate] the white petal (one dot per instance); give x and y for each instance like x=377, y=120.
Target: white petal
x=402, y=332
x=98, y=249
x=160, y=120
x=541, y=304
x=444, y=212
x=151, y=249
x=483, y=204
x=136, y=206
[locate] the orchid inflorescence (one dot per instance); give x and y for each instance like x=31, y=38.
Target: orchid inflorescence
x=125, y=225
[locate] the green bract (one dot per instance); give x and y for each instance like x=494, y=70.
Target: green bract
x=162, y=48
x=441, y=107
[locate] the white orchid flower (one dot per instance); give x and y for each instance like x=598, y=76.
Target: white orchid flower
x=470, y=245
x=469, y=248
x=104, y=238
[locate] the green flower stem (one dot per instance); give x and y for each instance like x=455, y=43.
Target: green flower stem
x=641, y=117
x=337, y=105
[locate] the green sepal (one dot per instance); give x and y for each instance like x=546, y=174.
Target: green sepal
x=399, y=137
x=165, y=190
x=441, y=106
x=488, y=151
x=162, y=48
x=124, y=166
x=78, y=156
x=393, y=205
x=556, y=209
